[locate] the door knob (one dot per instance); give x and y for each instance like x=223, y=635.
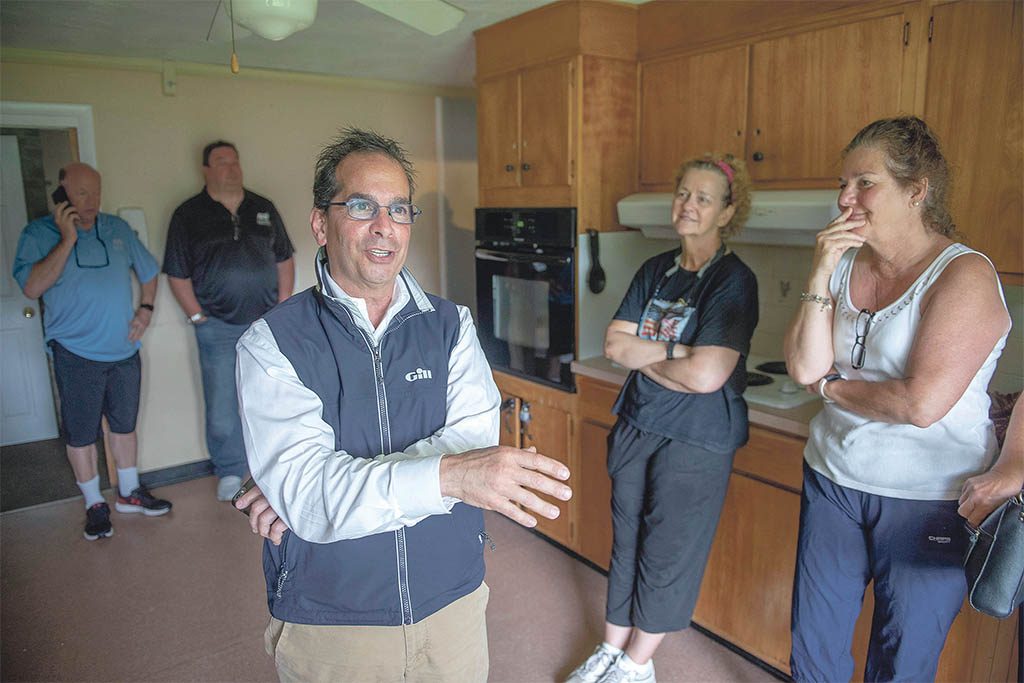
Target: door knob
x=526, y=167
x=29, y=312
x=509, y=167
x=758, y=156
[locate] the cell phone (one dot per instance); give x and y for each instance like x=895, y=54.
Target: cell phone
x=60, y=195
x=246, y=487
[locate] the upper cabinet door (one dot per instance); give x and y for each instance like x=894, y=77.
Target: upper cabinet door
x=689, y=106
x=974, y=104
x=498, y=131
x=547, y=110
x=811, y=92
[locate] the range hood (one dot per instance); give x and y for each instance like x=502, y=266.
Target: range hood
x=789, y=217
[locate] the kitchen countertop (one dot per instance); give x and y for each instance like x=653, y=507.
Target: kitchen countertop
x=793, y=421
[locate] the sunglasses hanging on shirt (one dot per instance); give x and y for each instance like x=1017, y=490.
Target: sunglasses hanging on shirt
x=96, y=263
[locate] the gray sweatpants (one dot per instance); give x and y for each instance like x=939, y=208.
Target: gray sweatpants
x=666, y=500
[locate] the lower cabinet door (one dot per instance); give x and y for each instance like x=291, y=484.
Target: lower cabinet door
x=548, y=429
x=748, y=584
x=593, y=490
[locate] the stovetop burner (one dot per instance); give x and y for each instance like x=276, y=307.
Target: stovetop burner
x=756, y=379
x=773, y=367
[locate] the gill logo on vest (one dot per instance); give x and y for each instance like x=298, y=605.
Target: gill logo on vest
x=418, y=373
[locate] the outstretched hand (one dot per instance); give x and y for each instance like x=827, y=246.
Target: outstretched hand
x=263, y=520
x=501, y=478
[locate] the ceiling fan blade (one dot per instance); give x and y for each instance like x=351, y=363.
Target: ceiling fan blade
x=433, y=17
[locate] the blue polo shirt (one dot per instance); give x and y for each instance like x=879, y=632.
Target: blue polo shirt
x=89, y=308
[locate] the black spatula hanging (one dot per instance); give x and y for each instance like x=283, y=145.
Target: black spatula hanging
x=595, y=280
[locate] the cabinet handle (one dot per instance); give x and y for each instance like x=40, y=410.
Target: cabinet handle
x=524, y=424
x=758, y=156
x=509, y=167
x=526, y=167
x=507, y=406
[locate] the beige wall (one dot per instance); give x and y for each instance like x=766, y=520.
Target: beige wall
x=148, y=149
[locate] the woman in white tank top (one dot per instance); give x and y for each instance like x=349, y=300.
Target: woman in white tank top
x=899, y=330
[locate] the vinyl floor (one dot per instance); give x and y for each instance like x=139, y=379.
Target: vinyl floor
x=182, y=598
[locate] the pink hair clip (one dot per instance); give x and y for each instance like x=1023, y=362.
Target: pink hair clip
x=726, y=169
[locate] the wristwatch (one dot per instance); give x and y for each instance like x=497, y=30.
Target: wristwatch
x=831, y=377
x=669, y=347
x=195, y=318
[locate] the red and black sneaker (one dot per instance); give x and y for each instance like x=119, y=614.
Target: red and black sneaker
x=141, y=500
x=97, y=522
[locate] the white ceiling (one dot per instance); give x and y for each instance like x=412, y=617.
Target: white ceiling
x=347, y=39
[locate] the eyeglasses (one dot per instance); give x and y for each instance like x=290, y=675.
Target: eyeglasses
x=106, y=254
x=367, y=209
x=859, y=348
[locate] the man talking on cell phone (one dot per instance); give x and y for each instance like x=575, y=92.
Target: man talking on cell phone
x=370, y=419
x=79, y=262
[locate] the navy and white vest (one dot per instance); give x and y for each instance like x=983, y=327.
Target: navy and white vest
x=396, y=577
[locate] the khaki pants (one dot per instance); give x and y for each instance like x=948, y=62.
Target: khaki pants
x=448, y=646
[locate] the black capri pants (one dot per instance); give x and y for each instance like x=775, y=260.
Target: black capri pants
x=666, y=500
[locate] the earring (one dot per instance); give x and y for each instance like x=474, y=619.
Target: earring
x=916, y=203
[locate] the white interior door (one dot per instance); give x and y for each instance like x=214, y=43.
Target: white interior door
x=26, y=397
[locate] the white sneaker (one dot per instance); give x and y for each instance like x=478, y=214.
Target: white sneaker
x=228, y=486
x=617, y=674
x=594, y=668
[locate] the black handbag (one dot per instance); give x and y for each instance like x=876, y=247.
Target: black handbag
x=995, y=560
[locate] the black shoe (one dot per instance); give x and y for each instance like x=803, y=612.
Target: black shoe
x=141, y=500
x=97, y=522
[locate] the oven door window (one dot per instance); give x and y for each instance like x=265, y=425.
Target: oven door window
x=521, y=315
x=525, y=305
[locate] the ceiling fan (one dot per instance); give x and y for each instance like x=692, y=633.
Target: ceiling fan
x=278, y=19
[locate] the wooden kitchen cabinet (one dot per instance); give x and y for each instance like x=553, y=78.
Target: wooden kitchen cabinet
x=787, y=103
x=688, y=106
x=542, y=417
x=498, y=142
x=556, y=112
x=593, y=491
x=748, y=583
x=811, y=92
x=526, y=148
x=974, y=103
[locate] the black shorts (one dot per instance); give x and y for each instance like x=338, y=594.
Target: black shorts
x=90, y=389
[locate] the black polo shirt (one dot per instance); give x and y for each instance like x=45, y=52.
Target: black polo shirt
x=233, y=268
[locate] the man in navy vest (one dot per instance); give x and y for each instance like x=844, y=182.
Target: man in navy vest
x=370, y=419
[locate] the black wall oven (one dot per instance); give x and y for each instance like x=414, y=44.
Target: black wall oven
x=526, y=292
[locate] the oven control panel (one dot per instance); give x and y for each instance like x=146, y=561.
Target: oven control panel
x=542, y=227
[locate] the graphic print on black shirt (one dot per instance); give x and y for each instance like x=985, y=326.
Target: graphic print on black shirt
x=665, y=320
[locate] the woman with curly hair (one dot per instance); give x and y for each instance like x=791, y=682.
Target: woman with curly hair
x=899, y=331
x=684, y=330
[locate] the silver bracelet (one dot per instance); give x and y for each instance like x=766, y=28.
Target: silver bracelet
x=826, y=303
x=831, y=377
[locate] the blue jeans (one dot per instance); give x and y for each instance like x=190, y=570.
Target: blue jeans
x=913, y=550
x=216, y=340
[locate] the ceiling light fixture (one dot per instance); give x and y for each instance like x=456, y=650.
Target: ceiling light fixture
x=274, y=19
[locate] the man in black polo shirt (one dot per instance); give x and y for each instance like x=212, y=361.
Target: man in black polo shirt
x=228, y=261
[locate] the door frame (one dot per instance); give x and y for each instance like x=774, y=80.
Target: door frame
x=52, y=115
